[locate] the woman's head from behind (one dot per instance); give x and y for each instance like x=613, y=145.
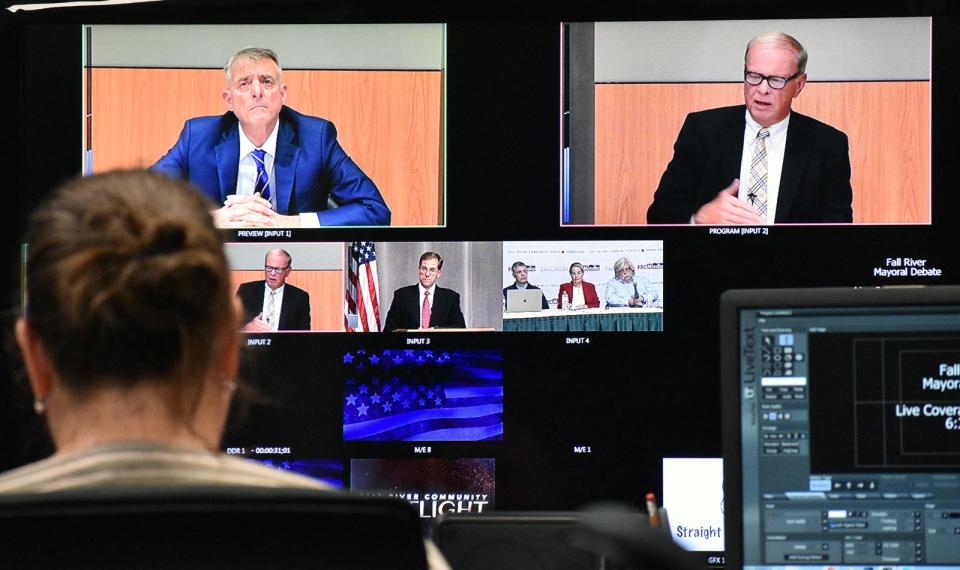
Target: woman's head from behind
x=128, y=309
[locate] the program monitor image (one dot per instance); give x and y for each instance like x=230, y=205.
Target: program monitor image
x=760, y=122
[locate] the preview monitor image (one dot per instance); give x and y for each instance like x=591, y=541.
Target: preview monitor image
x=586, y=285
x=840, y=433
x=358, y=108
x=655, y=126
x=432, y=486
x=423, y=395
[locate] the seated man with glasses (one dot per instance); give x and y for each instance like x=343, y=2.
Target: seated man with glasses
x=758, y=163
x=272, y=304
x=425, y=305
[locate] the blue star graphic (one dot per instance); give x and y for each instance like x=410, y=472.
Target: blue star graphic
x=375, y=398
x=387, y=406
x=396, y=396
x=362, y=410
x=363, y=388
x=374, y=359
x=406, y=403
x=347, y=358
x=437, y=401
x=422, y=402
x=351, y=400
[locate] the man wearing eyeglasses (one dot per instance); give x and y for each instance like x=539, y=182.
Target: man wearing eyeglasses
x=272, y=304
x=758, y=163
x=425, y=305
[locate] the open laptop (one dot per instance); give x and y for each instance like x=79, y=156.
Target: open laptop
x=524, y=300
x=841, y=428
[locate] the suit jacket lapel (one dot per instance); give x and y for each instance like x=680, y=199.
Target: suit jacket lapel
x=284, y=314
x=228, y=160
x=731, y=144
x=417, y=303
x=439, y=304
x=794, y=158
x=285, y=165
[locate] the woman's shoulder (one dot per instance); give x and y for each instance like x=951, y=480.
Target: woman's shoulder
x=145, y=463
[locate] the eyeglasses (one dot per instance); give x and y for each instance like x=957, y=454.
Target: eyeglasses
x=773, y=81
x=429, y=270
x=271, y=269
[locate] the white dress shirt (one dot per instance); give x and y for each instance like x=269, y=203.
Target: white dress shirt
x=277, y=304
x=429, y=299
x=247, y=172
x=578, y=296
x=247, y=169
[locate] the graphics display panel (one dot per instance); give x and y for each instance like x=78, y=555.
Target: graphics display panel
x=843, y=428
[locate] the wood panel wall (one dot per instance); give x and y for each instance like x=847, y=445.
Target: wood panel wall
x=325, y=289
x=887, y=123
x=388, y=121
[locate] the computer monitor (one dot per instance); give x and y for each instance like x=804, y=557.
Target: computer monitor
x=841, y=427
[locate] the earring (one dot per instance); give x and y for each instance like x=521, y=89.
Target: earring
x=230, y=385
x=39, y=407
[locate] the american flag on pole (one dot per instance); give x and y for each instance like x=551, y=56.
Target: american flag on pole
x=363, y=288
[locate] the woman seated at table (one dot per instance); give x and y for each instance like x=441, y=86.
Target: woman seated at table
x=579, y=293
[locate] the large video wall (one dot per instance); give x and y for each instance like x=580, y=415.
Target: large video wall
x=522, y=151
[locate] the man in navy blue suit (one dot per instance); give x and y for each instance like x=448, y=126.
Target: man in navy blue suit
x=268, y=165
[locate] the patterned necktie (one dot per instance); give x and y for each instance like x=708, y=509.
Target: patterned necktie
x=425, y=311
x=757, y=188
x=271, y=307
x=262, y=185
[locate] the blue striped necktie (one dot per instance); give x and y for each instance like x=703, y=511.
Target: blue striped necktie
x=262, y=185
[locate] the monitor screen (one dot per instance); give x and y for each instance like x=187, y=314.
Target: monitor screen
x=517, y=151
x=846, y=430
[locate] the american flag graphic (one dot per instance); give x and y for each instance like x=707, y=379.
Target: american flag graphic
x=423, y=395
x=362, y=297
